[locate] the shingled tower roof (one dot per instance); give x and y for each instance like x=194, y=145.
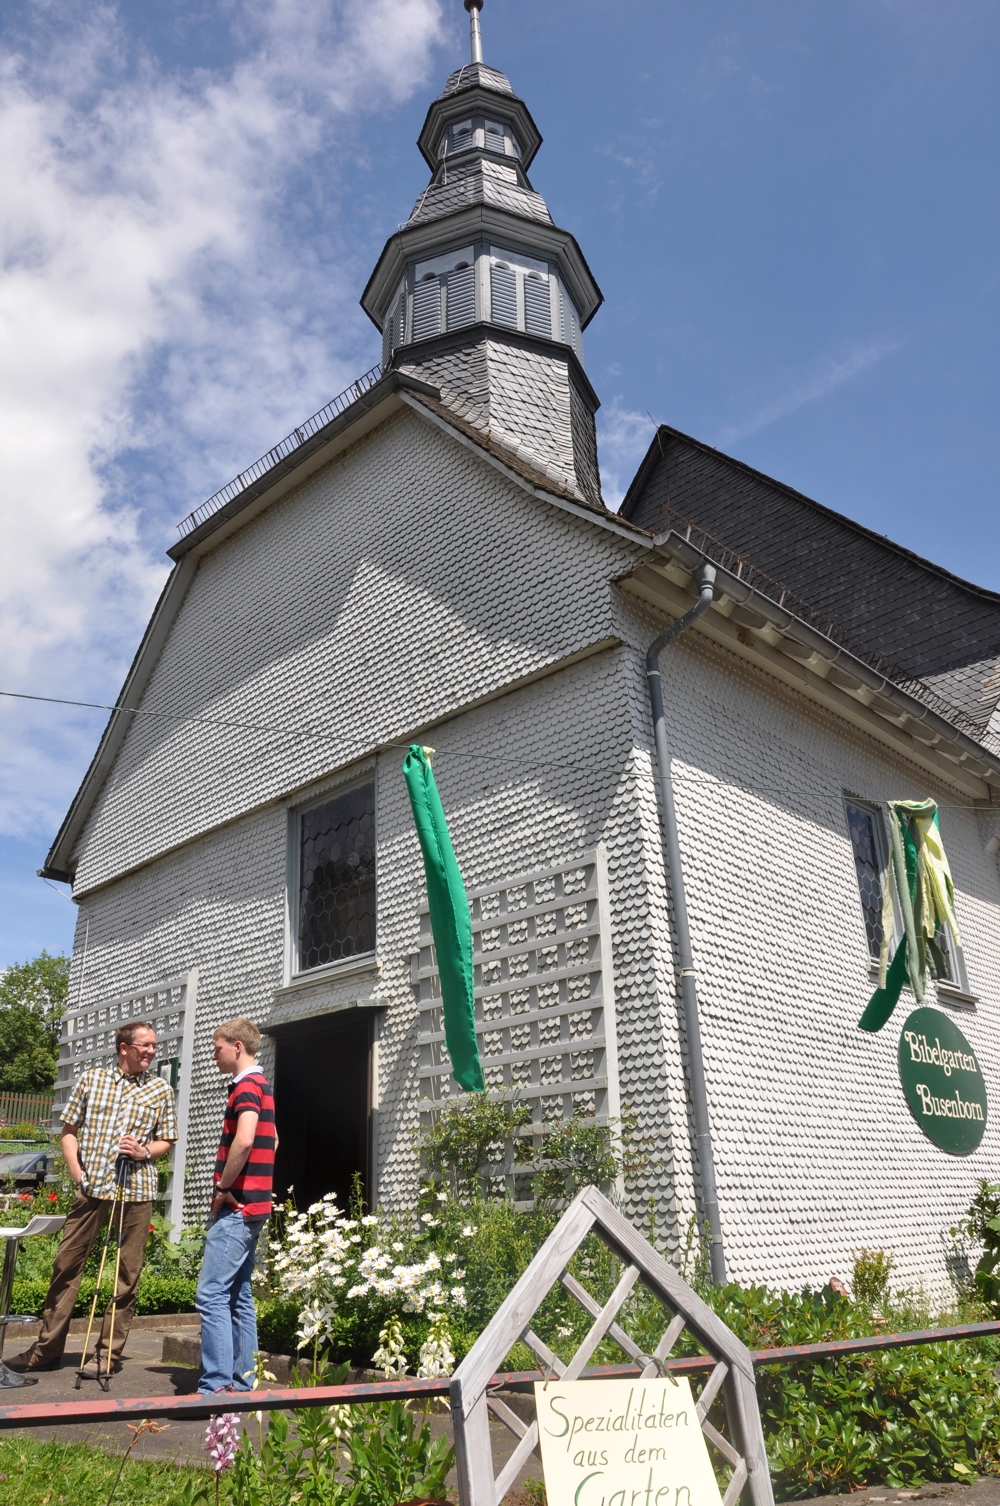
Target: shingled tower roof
x=480, y=294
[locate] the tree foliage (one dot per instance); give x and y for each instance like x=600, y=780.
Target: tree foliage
x=32, y=1001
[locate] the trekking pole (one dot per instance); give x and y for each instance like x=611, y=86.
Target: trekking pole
x=106, y=1383
x=122, y=1167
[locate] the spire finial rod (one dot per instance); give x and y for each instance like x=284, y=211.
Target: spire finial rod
x=475, y=35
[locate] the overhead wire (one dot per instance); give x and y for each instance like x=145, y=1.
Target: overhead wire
x=310, y=734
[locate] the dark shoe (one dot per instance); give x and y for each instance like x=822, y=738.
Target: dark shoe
x=97, y=1370
x=30, y=1361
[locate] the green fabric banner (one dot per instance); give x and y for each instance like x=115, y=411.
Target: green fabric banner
x=451, y=923
x=926, y=898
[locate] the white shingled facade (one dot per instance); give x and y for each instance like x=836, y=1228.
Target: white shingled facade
x=413, y=590
x=435, y=565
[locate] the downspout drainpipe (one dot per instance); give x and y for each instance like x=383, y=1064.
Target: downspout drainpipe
x=705, y=577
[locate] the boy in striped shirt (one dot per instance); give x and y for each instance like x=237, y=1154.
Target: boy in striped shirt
x=241, y=1203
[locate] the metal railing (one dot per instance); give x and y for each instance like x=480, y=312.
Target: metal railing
x=195, y=1408
x=669, y=520
x=280, y=451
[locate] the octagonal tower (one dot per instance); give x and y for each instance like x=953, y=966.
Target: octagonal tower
x=481, y=295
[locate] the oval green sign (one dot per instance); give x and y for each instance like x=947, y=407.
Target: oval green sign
x=943, y=1084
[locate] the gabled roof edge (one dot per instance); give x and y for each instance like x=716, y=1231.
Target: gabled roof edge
x=57, y=864
x=655, y=451
x=383, y=388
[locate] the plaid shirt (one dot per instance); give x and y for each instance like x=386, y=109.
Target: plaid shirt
x=105, y=1105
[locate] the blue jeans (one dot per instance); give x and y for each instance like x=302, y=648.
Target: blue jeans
x=225, y=1301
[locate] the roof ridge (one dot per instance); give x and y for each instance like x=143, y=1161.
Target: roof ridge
x=881, y=539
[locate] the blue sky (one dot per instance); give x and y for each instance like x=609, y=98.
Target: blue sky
x=792, y=211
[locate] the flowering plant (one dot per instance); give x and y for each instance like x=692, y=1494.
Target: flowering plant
x=389, y=1265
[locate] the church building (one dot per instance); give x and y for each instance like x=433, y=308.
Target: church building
x=690, y=938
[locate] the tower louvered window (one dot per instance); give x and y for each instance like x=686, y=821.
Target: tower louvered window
x=461, y=296
x=571, y=326
x=537, y=305
x=427, y=307
x=461, y=136
x=394, y=332
x=503, y=294
x=494, y=137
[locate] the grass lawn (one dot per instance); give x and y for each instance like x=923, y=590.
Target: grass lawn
x=59, y=1474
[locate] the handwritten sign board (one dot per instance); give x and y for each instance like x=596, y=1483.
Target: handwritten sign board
x=942, y=1082
x=623, y=1443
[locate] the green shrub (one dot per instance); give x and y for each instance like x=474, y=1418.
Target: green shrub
x=157, y=1294
x=896, y=1418
x=982, y=1224
x=26, y=1130
x=277, y=1321
x=464, y=1148
x=870, y=1279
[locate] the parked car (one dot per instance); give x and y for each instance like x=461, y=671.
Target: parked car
x=26, y=1168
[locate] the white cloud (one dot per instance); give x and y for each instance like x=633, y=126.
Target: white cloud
x=623, y=438
x=160, y=298
x=809, y=386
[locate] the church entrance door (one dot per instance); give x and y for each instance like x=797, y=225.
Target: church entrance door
x=322, y=1096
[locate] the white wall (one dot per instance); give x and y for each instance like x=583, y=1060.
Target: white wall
x=409, y=580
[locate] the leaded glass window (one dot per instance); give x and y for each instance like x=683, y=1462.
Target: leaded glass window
x=943, y=938
x=865, y=827
x=337, y=878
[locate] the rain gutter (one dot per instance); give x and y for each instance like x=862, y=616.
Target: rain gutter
x=794, y=629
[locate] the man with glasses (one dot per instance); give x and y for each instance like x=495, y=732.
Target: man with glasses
x=124, y=1110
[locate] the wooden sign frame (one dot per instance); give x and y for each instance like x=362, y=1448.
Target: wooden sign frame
x=471, y=1403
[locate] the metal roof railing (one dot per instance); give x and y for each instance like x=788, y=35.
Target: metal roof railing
x=669, y=519
x=280, y=451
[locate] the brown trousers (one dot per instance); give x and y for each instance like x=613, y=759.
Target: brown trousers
x=84, y=1223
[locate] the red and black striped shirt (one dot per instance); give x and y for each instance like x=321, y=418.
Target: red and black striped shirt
x=252, y=1188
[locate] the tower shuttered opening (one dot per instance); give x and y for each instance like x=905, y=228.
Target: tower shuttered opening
x=394, y=332
x=461, y=296
x=503, y=294
x=537, y=305
x=494, y=138
x=571, y=326
x=427, y=308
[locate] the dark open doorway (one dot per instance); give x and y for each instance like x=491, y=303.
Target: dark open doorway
x=322, y=1106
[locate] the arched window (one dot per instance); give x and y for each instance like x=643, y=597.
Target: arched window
x=461, y=137
x=494, y=137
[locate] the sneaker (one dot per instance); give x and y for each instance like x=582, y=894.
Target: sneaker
x=30, y=1361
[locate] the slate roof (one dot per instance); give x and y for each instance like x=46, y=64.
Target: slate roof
x=476, y=73
x=943, y=629
x=479, y=182
x=460, y=416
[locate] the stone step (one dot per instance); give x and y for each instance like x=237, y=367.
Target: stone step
x=184, y=1348
x=150, y=1322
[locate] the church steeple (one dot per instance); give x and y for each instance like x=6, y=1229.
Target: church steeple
x=481, y=294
